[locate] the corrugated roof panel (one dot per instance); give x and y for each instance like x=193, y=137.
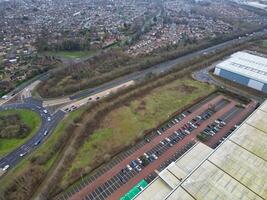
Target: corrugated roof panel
x=246, y=64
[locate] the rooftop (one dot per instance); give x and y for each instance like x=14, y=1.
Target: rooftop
x=237, y=169
x=246, y=64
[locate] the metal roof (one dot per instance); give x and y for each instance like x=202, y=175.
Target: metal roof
x=246, y=64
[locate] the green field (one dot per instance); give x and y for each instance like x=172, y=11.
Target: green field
x=124, y=125
x=71, y=54
x=30, y=118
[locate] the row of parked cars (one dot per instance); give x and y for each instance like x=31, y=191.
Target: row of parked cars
x=187, y=128
x=147, y=158
x=142, y=162
x=225, y=136
x=168, y=142
x=214, y=128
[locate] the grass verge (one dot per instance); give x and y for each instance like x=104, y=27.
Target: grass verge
x=28, y=117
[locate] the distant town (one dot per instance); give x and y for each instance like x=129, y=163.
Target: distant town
x=139, y=27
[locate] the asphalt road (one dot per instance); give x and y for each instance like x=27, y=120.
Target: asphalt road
x=161, y=68
x=14, y=157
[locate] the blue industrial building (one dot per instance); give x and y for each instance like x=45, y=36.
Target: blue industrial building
x=246, y=69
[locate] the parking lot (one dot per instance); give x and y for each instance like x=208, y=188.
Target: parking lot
x=158, y=149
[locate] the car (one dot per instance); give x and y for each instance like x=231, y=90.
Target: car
x=154, y=156
x=147, y=140
x=37, y=142
x=46, y=132
x=138, y=168
x=45, y=111
x=97, y=98
x=167, y=139
x=22, y=154
x=5, y=167
x=73, y=107
x=186, y=131
x=134, y=163
x=217, y=122
x=199, y=117
x=158, y=132
x=129, y=167
x=145, y=154
x=49, y=119
x=5, y=97
x=139, y=160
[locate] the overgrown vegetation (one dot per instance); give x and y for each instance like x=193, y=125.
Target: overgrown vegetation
x=17, y=126
x=202, y=137
x=126, y=124
x=12, y=126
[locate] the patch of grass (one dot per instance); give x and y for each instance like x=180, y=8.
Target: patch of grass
x=264, y=43
x=71, y=54
x=124, y=125
x=42, y=150
x=30, y=118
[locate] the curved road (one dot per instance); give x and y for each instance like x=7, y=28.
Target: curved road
x=46, y=127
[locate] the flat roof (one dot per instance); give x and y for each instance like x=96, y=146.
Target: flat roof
x=246, y=64
x=237, y=169
x=172, y=176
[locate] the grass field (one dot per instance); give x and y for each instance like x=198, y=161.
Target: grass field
x=30, y=118
x=42, y=150
x=124, y=125
x=71, y=54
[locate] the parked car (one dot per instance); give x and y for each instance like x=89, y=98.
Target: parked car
x=129, y=167
x=138, y=168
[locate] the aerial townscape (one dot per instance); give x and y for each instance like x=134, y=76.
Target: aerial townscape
x=133, y=99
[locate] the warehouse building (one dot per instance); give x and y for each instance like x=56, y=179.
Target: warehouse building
x=246, y=69
x=236, y=169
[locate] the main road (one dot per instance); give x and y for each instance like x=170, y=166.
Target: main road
x=39, y=106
